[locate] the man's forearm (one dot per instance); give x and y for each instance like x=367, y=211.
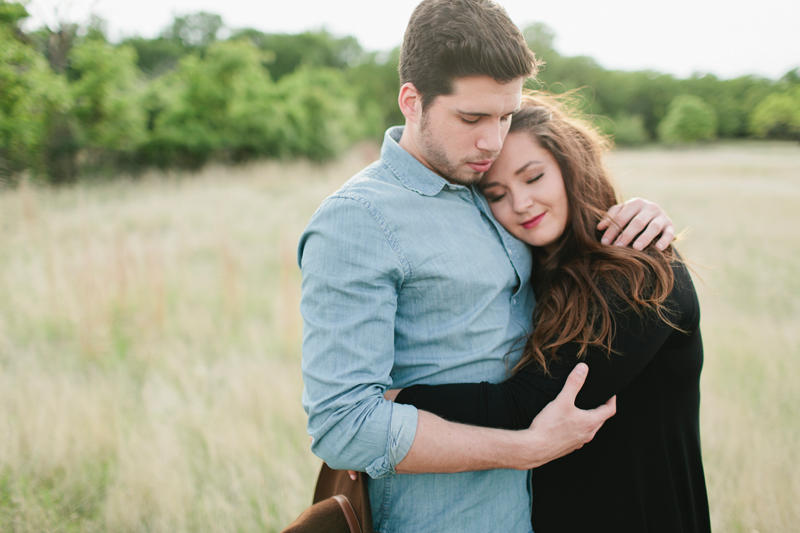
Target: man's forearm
x=560, y=428
x=445, y=447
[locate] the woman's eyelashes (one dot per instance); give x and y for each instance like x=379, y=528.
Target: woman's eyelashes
x=535, y=178
x=497, y=197
x=492, y=199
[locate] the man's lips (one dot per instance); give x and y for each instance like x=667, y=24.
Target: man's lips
x=532, y=223
x=481, y=166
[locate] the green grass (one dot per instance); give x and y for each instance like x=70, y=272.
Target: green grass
x=150, y=341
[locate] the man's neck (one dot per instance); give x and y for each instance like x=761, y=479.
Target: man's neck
x=409, y=144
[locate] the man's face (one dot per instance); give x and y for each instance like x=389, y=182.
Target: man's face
x=461, y=134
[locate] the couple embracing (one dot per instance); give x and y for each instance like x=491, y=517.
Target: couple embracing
x=495, y=342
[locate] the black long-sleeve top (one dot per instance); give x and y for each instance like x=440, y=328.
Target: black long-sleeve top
x=643, y=471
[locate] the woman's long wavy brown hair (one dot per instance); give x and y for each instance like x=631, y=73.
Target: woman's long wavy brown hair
x=579, y=283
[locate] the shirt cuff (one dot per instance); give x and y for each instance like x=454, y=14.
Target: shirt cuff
x=401, y=436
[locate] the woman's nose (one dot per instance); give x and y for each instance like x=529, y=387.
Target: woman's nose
x=522, y=202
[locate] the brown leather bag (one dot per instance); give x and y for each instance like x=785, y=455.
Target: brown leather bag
x=340, y=505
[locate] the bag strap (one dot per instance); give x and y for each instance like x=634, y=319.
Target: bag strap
x=349, y=513
x=332, y=482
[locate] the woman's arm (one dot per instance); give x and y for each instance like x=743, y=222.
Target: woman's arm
x=514, y=403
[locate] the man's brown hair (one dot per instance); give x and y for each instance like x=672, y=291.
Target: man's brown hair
x=450, y=39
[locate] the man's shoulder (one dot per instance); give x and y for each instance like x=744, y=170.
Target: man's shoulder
x=376, y=188
x=373, y=182
x=354, y=219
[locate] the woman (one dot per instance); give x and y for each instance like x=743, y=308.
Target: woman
x=631, y=315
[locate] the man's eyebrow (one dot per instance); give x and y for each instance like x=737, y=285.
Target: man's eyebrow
x=477, y=114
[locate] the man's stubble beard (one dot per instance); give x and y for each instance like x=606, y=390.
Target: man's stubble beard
x=436, y=157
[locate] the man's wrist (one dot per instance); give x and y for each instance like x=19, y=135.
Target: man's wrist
x=520, y=450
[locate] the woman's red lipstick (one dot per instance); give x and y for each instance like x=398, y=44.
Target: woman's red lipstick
x=532, y=223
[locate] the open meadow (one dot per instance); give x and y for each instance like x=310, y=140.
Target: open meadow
x=150, y=341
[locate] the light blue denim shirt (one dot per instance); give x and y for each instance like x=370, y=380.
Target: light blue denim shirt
x=408, y=279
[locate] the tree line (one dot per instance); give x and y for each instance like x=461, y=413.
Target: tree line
x=72, y=103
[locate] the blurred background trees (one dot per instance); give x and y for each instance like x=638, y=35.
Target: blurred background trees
x=778, y=115
x=689, y=119
x=73, y=104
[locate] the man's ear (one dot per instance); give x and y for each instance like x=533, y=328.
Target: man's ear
x=410, y=101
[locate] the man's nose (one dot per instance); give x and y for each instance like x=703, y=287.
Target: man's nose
x=491, y=139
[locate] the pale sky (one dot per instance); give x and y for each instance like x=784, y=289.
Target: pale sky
x=679, y=37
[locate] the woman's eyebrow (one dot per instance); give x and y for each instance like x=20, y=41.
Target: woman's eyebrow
x=524, y=167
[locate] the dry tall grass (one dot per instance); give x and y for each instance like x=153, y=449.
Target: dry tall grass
x=149, y=351
x=149, y=342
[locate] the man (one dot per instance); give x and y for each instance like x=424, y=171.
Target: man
x=408, y=279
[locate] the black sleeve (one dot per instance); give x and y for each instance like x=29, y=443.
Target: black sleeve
x=514, y=403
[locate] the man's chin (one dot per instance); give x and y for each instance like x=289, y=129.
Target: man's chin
x=466, y=177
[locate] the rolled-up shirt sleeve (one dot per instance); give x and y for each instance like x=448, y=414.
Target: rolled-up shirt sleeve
x=352, y=271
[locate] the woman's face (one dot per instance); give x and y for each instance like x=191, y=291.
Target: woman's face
x=526, y=192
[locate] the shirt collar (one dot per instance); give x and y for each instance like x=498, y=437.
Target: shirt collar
x=411, y=173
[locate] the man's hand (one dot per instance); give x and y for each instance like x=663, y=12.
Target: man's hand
x=561, y=428
x=445, y=447
x=637, y=217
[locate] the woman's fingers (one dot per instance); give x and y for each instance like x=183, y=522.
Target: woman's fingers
x=637, y=219
x=667, y=236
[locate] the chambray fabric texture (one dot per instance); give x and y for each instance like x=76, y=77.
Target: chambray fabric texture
x=408, y=279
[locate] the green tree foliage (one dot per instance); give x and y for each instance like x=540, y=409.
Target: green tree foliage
x=287, y=52
x=377, y=82
x=11, y=14
x=645, y=94
x=157, y=56
x=626, y=130
x=106, y=101
x=689, y=119
x=541, y=38
x=608, y=93
x=732, y=100
x=196, y=30
x=31, y=96
x=214, y=104
x=225, y=104
x=792, y=77
x=321, y=111
x=778, y=116
x=72, y=101
x=57, y=45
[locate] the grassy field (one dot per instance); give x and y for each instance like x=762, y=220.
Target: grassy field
x=150, y=341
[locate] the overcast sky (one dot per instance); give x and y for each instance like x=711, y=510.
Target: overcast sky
x=679, y=37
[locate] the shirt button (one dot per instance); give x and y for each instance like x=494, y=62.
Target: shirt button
x=513, y=300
